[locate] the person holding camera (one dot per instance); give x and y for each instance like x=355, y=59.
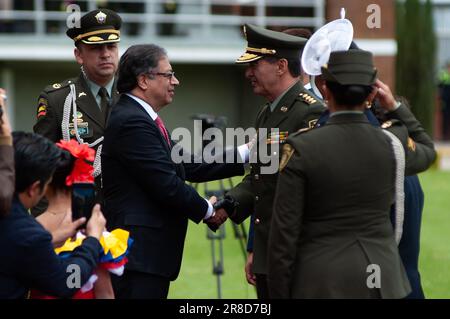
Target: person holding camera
x=6, y=158
x=71, y=180
x=26, y=249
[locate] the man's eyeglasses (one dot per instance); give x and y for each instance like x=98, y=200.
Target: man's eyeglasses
x=167, y=75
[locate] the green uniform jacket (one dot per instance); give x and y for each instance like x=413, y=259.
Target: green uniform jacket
x=331, y=215
x=419, y=148
x=91, y=122
x=255, y=194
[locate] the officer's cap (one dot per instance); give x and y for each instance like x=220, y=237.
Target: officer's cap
x=262, y=42
x=97, y=27
x=352, y=67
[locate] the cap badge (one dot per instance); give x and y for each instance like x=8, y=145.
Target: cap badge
x=101, y=17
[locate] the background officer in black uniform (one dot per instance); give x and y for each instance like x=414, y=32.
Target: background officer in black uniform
x=79, y=108
x=273, y=69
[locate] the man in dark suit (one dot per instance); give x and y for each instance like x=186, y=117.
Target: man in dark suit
x=273, y=69
x=26, y=249
x=145, y=189
x=79, y=107
x=331, y=235
x=6, y=159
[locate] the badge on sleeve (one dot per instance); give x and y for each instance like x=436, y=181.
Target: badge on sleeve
x=42, y=107
x=411, y=144
x=288, y=150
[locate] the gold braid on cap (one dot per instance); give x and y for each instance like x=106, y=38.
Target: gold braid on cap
x=261, y=51
x=87, y=34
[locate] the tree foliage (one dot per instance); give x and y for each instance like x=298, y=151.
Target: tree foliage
x=416, y=58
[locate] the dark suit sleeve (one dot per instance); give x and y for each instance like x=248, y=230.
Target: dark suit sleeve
x=7, y=176
x=50, y=274
x=143, y=151
x=216, y=167
x=285, y=228
x=420, y=152
x=47, y=122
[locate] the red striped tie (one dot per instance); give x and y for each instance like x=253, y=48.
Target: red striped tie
x=162, y=128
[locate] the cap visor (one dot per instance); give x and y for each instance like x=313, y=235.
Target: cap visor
x=247, y=58
x=101, y=38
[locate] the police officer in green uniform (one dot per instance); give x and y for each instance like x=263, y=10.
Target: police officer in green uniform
x=331, y=234
x=272, y=60
x=78, y=108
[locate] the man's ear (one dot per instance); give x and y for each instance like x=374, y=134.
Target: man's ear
x=282, y=66
x=78, y=57
x=142, y=81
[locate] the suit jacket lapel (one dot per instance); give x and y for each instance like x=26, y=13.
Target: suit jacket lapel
x=142, y=110
x=281, y=111
x=87, y=103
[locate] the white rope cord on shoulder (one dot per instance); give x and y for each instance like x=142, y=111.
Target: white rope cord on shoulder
x=399, y=154
x=70, y=101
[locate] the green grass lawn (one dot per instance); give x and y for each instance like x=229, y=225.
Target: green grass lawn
x=435, y=238
x=197, y=280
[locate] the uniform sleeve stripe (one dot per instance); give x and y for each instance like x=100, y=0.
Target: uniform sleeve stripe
x=43, y=113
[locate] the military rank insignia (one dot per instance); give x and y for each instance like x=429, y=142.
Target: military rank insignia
x=307, y=98
x=287, y=152
x=277, y=137
x=42, y=107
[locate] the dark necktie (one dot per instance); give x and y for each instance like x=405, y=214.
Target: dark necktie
x=163, y=130
x=103, y=102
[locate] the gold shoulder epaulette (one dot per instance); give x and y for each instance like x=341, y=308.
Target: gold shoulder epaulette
x=307, y=98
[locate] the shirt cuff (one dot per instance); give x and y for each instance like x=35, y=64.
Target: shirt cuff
x=210, y=211
x=397, y=105
x=244, y=152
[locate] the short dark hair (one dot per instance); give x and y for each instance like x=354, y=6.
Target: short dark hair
x=36, y=158
x=137, y=60
x=349, y=95
x=65, y=167
x=293, y=64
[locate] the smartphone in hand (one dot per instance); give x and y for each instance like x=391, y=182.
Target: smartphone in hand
x=83, y=200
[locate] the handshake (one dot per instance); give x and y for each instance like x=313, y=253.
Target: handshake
x=222, y=209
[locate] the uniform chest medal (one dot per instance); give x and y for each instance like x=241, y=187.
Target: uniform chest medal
x=83, y=127
x=277, y=137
